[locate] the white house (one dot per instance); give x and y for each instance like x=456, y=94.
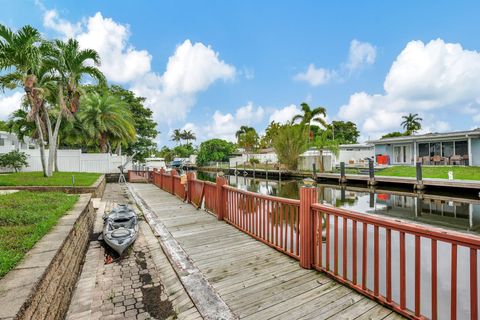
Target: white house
x=10, y=142
x=355, y=154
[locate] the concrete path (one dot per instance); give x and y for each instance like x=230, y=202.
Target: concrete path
x=140, y=285
x=251, y=279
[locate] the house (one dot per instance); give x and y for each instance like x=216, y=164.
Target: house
x=355, y=154
x=450, y=148
x=311, y=156
x=10, y=142
x=267, y=155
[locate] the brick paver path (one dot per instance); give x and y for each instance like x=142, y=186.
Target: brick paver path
x=140, y=285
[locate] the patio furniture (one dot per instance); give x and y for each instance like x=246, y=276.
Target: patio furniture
x=437, y=160
x=456, y=159
x=465, y=160
x=426, y=160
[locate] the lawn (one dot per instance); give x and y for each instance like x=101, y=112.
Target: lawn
x=463, y=173
x=82, y=179
x=25, y=217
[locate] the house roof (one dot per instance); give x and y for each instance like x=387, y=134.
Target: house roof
x=430, y=136
x=357, y=145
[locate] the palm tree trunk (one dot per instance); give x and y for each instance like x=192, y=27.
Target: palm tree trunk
x=52, y=150
x=38, y=124
x=103, y=143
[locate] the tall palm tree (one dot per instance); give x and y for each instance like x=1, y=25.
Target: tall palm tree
x=243, y=130
x=188, y=135
x=106, y=120
x=69, y=64
x=411, y=123
x=323, y=142
x=310, y=115
x=21, y=58
x=176, y=136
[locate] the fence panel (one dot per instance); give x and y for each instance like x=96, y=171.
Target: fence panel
x=272, y=220
x=196, y=189
x=179, y=188
x=210, y=196
x=167, y=183
x=382, y=258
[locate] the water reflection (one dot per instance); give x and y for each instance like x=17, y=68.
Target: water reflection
x=452, y=210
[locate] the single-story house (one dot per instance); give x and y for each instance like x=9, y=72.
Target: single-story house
x=10, y=142
x=355, y=154
x=263, y=156
x=450, y=148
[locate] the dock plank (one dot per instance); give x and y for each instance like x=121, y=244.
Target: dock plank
x=254, y=280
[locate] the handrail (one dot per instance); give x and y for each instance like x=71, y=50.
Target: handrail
x=264, y=196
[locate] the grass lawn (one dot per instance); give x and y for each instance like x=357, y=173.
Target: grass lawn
x=82, y=179
x=25, y=217
x=463, y=173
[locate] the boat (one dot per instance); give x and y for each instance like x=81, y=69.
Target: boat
x=120, y=228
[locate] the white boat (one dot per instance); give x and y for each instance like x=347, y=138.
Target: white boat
x=120, y=228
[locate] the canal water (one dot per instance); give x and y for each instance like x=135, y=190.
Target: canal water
x=460, y=212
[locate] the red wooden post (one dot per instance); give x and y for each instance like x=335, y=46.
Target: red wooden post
x=172, y=174
x=308, y=196
x=221, y=200
x=129, y=175
x=190, y=177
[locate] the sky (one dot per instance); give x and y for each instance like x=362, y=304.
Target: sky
x=212, y=66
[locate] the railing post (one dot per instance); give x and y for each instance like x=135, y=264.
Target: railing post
x=308, y=196
x=220, y=208
x=190, y=177
x=172, y=174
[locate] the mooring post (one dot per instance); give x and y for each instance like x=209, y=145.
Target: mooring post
x=343, y=178
x=371, y=173
x=314, y=170
x=419, y=184
x=254, y=170
x=308, y=196
x=221, y=199
x=190, y=177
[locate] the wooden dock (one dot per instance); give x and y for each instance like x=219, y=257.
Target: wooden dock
x=254, y=280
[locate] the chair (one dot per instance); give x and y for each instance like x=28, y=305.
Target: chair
x=465, y=160
x=437, y=159
x=456, y=159
x=426, y=160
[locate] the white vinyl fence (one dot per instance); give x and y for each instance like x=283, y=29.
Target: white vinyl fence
x=76, y=161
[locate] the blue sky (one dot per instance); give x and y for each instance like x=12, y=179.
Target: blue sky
x=212, y=66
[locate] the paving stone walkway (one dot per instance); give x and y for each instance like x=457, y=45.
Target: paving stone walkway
x=140, y=285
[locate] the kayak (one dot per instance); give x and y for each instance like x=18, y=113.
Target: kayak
x=120, y=228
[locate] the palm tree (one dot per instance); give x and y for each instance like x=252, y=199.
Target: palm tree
x=21, y=58
x=323, y=142
x=177, y=136
x=188, y=135
x=106, y=120
x=70, y=64
x=311, y=115
x=411, y=123
x=243, y=130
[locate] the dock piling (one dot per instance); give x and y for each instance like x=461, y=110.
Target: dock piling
x=343, y=178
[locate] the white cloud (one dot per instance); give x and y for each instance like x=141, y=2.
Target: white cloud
x=314, y=76
x=248, y=115
x=360, y=54
x=284, y=114
x=424, y=77
x=192, y=68
x=10, y=103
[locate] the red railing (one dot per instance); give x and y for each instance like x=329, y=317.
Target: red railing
x=179, y=188
x=272, y=220
x=210, y=196
x=370, y=254
x=196, y=190
x=377, y=256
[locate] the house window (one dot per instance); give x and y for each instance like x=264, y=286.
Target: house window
x=434, y=149
x=447, y=149
x=461, y=148
x=2, y=142
x=423, y=150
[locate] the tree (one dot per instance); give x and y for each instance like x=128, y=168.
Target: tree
x=106, y=120
x=21, y=59
x=393, y=135
x=214, y=150
x=166, y=153
x=270, y=132
x=143, y=120
x=183, y=151
x=176, y=136
x=20, y=126
x=344, y=132
x=411, y=123
x=289, y=143
x=323, y=142
x=243, y=130
x=3, y=126
x=188, y=136
x=311, y=115
x=69, y=64
x=13, y=159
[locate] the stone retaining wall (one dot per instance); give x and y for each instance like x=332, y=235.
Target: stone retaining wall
x=42, y=285
x=96, y=189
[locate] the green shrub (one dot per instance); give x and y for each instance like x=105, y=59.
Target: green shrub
x=13, y=159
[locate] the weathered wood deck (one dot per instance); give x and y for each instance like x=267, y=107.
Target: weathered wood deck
x=254, y=280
